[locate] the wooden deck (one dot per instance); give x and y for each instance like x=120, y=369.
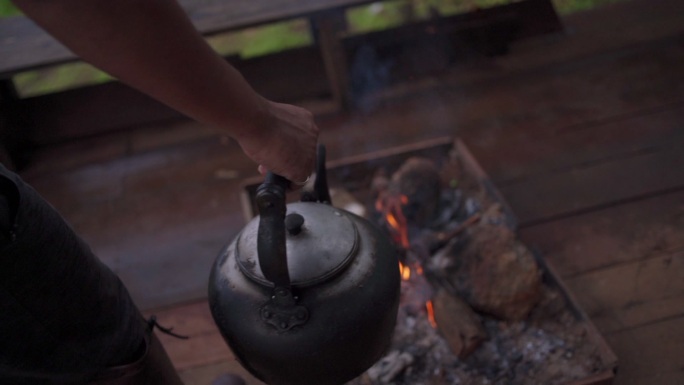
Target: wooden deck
x=583, y=133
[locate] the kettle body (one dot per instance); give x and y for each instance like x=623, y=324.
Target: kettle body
x=334, y=314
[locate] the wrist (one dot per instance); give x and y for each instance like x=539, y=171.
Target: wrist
x=256, y=123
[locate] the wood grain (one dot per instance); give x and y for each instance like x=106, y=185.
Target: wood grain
x=613, y=236
x=203, y=356
x=588, y=187
x=639, y=293
x=651, y=354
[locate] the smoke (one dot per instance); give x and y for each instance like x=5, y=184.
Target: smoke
x=368, y=72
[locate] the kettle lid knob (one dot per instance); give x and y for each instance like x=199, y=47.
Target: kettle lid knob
x=294, y=223
x=320, y=241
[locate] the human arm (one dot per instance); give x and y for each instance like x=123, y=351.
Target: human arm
x=152, y=46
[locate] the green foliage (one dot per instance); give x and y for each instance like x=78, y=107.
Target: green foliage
x=227, y=44
x=569, y=6
x=277, y=37
x=248, y=43
x=388, y=14
x=378, y=16
x=59, y=78
x=8, y=9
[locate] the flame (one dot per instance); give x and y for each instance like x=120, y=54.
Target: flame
x=405, y=272
x=390, y=206
x=431, y=314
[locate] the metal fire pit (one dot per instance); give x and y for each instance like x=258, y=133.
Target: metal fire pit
x=355, y=174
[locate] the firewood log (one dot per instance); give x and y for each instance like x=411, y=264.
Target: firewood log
x=460, y=326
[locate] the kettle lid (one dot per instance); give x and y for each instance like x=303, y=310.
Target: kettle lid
x=321, y=241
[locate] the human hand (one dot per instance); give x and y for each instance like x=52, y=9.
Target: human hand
x=285, y=142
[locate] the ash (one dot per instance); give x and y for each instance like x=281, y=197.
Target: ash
x=550, y=347
x=547, y=345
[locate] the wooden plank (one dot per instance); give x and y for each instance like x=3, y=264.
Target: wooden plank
x=633, y=282
x=203, y=375
x=178, y=197
x=612, y=236
x=604, y=30
x=61, y=116
x=669, y=378
x=203, y=356
x=213, y=16
x=631, y=301
x=594, y=36
x=630, y=295
x=523, y=19
x=390, y=57
x=80, y=112
x=188, y=319
x=288, y=76
x=651, y=354
x=25, y=46
x=198, y=350
x=72, y=155
x=579, y=119
x=496, y=121
x=585, y=188
x=594, y=141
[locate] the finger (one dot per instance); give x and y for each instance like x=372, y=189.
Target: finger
x=291, y=187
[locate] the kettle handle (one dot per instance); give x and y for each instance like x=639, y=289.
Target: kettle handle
x=271, y=249
x=281, y=311
x=270, y=199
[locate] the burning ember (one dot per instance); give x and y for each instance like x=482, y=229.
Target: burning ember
x=431, y=314
x=405, y=272
x=473, y=309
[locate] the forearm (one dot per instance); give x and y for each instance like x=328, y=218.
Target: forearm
x=152, y=46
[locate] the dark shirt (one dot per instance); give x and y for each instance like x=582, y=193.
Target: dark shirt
x=63, y=314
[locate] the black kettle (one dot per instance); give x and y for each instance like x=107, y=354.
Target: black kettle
x=307, y=293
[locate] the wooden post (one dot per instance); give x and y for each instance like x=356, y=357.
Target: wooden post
x=327, y=28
